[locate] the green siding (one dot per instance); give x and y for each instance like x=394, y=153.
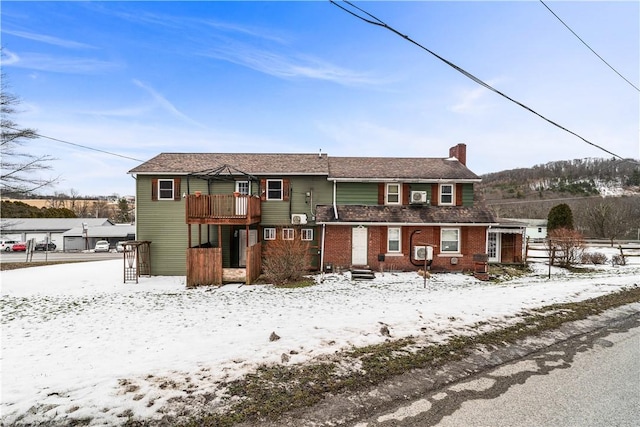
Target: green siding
x=279, y=212
x=357, y=193
x=421, y=187
x=467, y=194
x=163, y=223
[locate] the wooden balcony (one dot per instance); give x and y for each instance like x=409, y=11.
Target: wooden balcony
x=222, y=209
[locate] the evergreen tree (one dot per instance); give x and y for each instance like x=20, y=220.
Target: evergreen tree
x=560, y=216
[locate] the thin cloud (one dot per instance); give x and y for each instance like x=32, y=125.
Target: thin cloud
x=43, y=62
x=284, y=66
x=49, y=39
x=164, y=103
x=470, y=100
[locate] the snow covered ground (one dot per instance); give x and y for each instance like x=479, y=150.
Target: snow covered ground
x=78, y=343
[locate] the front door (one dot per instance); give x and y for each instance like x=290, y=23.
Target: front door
x=242, y=245
x=493, y=247
x=359, y=246
x=244, y=188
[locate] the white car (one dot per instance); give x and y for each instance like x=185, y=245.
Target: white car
x=101, y=246
x=7, y=245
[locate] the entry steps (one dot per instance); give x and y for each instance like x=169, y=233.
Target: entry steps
x=362, y=273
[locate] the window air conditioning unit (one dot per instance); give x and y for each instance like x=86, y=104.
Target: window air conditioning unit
x=418, y=197
x=298, y=219
x=420, y=253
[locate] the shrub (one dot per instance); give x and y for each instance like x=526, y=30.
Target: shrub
x=569, y=246
x=618, y=260
x=595, y=258
x=285, y=261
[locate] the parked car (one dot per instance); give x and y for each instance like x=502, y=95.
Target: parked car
x=101, y=246
x=7, y=245
x=19, y=247
x=120, y=247
x=44, y=246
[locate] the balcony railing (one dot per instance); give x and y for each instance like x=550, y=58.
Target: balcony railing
x=222, y=209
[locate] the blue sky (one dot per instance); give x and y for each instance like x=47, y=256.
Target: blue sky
x=141, y=78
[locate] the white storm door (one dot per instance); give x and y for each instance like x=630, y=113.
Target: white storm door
x=242, y=187
x=493, y=247
x=359, y=246
x=242, y=245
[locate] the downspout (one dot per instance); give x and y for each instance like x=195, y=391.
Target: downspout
x=322, y=251
x=335, y=207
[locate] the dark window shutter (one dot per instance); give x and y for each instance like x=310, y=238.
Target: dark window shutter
x=458, y=194
x=176, y=189
x=154, y=189
x=381, y=188
x=286, y=189
x=263, y=189
x=406, y=191
x=435, y=195
x=383, y=239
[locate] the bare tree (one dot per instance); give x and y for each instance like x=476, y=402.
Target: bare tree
x=608, y=218
x=19, y=171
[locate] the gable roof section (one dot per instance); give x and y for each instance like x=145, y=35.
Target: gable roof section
x=335, y=168
x=405, y=215
x=398, y=168
x=255, y=164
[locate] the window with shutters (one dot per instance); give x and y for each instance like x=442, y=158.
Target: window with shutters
x=274, y=189
x=393, y=194
x=450, y=240
x=166, y=190
x=446, y=194
x=393, y=240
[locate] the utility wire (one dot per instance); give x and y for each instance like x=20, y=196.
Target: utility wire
x=589, y=47
x=80, y=145
x=377, y=22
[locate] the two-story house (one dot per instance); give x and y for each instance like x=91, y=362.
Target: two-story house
x=208, y=215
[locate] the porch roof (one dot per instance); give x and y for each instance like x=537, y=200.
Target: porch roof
x=405, y=214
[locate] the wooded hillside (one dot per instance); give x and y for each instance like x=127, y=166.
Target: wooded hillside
x=604, y=194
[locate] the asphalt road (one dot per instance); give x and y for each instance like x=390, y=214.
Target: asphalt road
x=584, y=374
x=591, y=380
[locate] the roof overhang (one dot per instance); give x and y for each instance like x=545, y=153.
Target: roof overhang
x=408, y=224
x=411, y=180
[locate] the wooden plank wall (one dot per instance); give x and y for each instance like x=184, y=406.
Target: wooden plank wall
x=254, y=262
x=204, y=266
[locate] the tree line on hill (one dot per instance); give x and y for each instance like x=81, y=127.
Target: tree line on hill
x=533, y=192
x=65, y=208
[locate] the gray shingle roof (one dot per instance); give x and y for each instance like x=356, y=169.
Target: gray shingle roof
x=255, y=164
x=406, y=214
x=364, y=168
x=398, y=168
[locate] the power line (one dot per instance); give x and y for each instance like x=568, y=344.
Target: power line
x=589, y=47
x=377, y=22
x=81, y=146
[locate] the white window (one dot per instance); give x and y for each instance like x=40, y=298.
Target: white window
x=288, y=234
x=269, y=234
x=274, y=189
x=450, y=240
x=306, y=234
x=393, y=194
x=393, y=239
x=165, y=189
x=446, y=194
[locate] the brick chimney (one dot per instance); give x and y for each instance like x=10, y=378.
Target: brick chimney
x=459, y=152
